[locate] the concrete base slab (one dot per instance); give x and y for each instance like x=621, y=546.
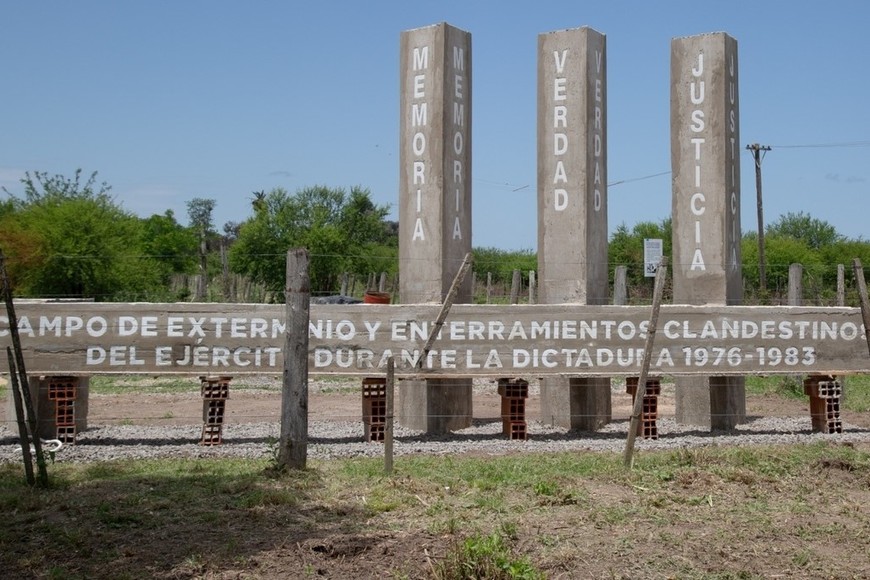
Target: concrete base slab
x=576, y=403
x=436, y=406
x=715, y=403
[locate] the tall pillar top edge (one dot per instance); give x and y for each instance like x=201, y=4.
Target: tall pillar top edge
x=721, y=33
x=563, y=30
x=436, y=25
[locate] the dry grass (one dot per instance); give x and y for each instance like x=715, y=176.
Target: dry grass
x=703, y=513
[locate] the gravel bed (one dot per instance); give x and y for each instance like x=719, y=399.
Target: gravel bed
x=328, y=439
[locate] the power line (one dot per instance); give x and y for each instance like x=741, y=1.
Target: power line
x=632, y=179
x=825, y=145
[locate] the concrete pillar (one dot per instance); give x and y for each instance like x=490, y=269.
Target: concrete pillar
x=434, y=200
x=46, y=408
x=705, y=160
x=572, y=202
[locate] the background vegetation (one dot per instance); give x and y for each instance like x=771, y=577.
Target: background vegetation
x=66, y=237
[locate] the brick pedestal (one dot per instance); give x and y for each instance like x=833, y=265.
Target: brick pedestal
x=514, y=393
x=647, y=427
x=374, y=408
x=825, y=393
x=214, y=392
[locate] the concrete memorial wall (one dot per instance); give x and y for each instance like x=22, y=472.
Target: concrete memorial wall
x=476, y=340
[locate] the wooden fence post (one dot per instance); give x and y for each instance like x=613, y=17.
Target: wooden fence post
x=21, y=419
x=388, y=431
x=21, y=371
x=293, y=447
x=533, y=287
x=658, y=290
x=488, y=287
x=841, y=285
x=620, y=286
x=515, y=287
x=862, y=294
x=795, y=285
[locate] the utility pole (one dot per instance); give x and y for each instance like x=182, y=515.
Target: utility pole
x=758, y=154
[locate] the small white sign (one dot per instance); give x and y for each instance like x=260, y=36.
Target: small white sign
x=652, y=256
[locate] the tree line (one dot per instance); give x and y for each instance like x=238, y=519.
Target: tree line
x=67, y=237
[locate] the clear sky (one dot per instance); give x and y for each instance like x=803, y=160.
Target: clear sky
x=171, y=100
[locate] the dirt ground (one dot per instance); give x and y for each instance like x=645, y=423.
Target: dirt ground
x=339, y=401
x=246, y=406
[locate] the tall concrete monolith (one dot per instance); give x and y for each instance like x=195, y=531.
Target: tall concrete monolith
x=705, y=160
x=572, y=203
x=434, y=200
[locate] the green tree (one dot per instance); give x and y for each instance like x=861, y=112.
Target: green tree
x=815, y=233
x=502, y=263
x=626, y=249
x=75, y=241
x=199, y=211
x=843, y=252
x=780, y=251
x=171, y=245
x=341, y=230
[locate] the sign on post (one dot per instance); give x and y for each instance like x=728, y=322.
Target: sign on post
x=652, y=256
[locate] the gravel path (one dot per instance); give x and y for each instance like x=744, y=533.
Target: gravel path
x=334, y=439
x=344, y=439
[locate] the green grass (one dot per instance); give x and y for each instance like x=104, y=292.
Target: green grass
x=856, y=389
x=515, y=516
x=485, y=556
x=164, y=384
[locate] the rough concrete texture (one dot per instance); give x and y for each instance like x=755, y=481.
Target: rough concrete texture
x=572, y=202
x=705, y=161
x=572, y=167
x=583, y=404
x=434, y=198
x=435, y=162
x=435, y=406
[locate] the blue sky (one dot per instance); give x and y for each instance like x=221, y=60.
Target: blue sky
x=173, y=100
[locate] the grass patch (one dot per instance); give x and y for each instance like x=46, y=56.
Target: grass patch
x=856, y=389
x=790, y=386
x=485, y=556
x=801, y=508
x=164, y=384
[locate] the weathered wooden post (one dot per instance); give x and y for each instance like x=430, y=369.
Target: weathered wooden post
x=21, y=371
x=533, y=288
x=795, y=285
x=658, y=289
x=516, y=282
x=388, y=431
x=21, y=419
x=862, y=296
x=620, y=286
x=841, y=285
x=705, y=159
x=572, y=203
x=293, y=446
